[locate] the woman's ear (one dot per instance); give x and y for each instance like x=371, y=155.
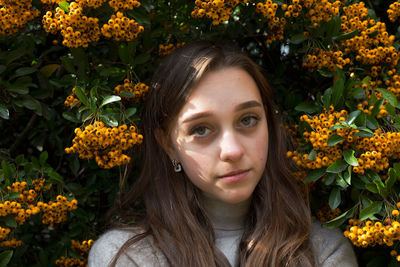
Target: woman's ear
x=164, y=142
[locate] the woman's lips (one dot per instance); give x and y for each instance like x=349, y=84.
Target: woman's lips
x=234, y=176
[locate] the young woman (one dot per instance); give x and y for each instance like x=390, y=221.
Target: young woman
x=215, y=189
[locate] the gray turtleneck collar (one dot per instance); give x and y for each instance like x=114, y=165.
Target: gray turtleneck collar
x=228, y=223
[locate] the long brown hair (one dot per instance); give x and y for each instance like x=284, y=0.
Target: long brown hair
x=166, y=203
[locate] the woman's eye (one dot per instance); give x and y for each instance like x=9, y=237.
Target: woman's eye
x=249, y=121
x=200, y=131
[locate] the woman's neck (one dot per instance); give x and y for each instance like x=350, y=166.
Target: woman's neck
x=225, y=216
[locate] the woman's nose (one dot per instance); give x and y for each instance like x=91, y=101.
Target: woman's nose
x=231, y=148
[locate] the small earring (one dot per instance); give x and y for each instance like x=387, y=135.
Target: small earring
x=177, y=166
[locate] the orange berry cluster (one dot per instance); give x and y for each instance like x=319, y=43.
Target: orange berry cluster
x=367, y=233
x=138, y=90
x=121, y=28
x=378, y=56
x=268, y=9
x=325, y=59
x=4, y=232
x=217, y=10
x=318, y=137
x=317, y=10
x=124, y=4
x=70, y=262
x=14, y=15
x=394, y=11
x=17, y=211
x=104, y=144
x=323, y=10
x=393, y=83
x=367, y=109
x=50, y=2
x=293, y=10
x=276, y=25
x=77, y=30
x=164, y=50
x=56, y=212
x=326, y=214
x=372, y=34
x=81, y=248
x=13, y=243
x=377, y=151
x=71, y=99
x=90, y=3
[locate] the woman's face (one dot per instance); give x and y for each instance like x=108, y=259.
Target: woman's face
x=220, y=136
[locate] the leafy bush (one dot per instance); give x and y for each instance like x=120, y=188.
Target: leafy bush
x=73, y=76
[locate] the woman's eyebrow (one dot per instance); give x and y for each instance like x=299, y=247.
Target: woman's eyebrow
x=248, y=104
x=244, y=105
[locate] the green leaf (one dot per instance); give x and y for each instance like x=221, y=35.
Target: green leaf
x=334, y=139
x=352, y=116
x=43, y=157
x=13, y=195
x=389, y=96
x=307, y=107
x=334, y=198
x=313, y=154
x=55, y=177
x=70, y=116
x=347, y=176
x=4, y=113
x=358, y=93
x=142, y=58
x=340, y=219
x=23, y=71
x=48, y=70
x=130, y=112
x=64, y=6
x=350, y=158
x=372, y=123
x=31, y=103
x=340, y=181
x=345, y=36
x=393, y=176
x=67, y=64
x=338, y=166
x=314, y=175
x=5, y=257
x=113, y=72
x=127, y=94
x=326, y=98
x=372, y=188
x=20, y=160
x=339, y=126
x=337, y=89
x=7, y=172
x=81, y=95
x=371, y=210
x=81, y=59
x=110, y=99
x=10, y=221
x=298, y=38
x=376, y=107
x=109, y=120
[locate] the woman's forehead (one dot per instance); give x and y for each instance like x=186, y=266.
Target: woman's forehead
x=222, y=89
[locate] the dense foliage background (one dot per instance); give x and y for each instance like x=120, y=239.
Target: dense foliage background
x=73, y=76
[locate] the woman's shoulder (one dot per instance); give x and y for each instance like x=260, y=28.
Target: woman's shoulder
x=331, y=248
x=141, y=253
